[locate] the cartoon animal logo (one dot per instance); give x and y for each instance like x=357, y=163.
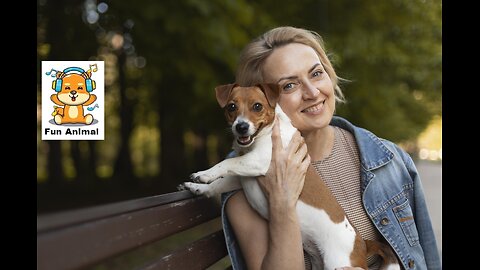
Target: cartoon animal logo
x=73, y=87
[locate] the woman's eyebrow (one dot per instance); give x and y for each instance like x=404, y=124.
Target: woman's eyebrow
x=295, y=77
x=287, y=78
x=314, y=66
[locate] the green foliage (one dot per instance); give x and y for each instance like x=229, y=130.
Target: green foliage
x=390, y=50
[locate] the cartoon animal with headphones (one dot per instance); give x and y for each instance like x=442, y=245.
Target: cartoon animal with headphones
x=73, y=87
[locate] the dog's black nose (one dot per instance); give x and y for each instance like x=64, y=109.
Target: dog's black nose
x=73, y=92
x=242, y=128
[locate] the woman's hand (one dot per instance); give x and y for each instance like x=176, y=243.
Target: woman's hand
x=283, y=182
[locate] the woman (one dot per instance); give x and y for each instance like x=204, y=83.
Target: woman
x=375, y=181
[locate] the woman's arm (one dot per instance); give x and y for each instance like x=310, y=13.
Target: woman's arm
x=276, y=243
x=422, y=217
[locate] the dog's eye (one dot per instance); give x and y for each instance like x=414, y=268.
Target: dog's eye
x=257, y=107
x=231, y=107
x=67, y=87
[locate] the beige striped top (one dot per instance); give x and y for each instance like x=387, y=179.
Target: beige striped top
x=341, y=173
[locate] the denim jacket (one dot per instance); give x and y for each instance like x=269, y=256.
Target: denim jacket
x=393, y=198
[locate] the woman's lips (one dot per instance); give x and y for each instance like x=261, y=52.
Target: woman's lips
x=315, y=108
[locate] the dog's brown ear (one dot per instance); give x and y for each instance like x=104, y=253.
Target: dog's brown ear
x=272, y=92
x=222, y=92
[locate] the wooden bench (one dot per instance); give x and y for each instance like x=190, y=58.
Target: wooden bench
x=98, y=237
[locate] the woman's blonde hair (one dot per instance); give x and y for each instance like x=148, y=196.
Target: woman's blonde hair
x=252, y=58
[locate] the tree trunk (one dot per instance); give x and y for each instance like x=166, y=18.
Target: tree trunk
x=123, y=168
x=54, y=164
x=200, y=154
x=92, y=161
x=84, y=164
x=77, y=160
x=173, y=169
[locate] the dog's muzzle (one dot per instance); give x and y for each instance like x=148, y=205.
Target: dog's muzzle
x=242, y=130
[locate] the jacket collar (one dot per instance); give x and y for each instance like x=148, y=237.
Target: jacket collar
x=373, y=152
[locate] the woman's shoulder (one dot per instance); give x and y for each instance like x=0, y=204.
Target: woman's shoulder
x=345, y=124
x=368, y=141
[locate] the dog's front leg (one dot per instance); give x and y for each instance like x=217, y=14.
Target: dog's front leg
x=213, y=189
x=250, y=164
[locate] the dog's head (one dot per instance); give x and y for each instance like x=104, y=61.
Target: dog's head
x=248, y=109
x=73, y=89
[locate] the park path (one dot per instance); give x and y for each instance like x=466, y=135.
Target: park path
x=431, y=175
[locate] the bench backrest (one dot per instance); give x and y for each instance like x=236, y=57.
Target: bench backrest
x=85, y=237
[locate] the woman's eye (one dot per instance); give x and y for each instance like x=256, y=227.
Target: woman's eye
x=288, y=86
x=231, y=107
x=257, y=107
x=317, y=73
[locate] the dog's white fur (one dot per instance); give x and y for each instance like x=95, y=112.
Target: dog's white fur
x=253, y=163
x=322, y=238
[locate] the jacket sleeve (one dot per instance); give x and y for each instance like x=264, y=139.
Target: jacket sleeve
x=422, y=217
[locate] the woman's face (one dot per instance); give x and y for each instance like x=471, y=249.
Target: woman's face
x=307, y=94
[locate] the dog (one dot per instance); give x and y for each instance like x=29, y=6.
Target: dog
x=327, y=234
x=72, y=93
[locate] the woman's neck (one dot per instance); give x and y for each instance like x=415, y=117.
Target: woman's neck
x=320, y=142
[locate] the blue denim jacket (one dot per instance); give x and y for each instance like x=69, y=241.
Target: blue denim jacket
x=393, y=198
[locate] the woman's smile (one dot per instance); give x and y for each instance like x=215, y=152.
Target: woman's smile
x=315, y=109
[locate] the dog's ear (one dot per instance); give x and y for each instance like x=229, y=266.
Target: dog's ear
x=222, y=92
x=272, y=92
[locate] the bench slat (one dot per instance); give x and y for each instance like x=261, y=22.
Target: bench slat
x=85, y=244
x=58, y=220
x=197, y=255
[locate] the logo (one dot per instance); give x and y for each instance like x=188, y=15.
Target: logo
x=73, y=100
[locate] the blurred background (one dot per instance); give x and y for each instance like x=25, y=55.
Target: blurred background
x=164, y=58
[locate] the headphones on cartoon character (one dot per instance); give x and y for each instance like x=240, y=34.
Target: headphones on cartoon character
x=89, y=83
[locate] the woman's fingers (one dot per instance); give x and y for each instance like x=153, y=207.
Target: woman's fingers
x=285, y=177
x=295, y=143
x=276, y=139
x=302, y=152
x=297, y=149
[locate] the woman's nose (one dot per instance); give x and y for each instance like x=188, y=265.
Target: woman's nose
x=309, y=90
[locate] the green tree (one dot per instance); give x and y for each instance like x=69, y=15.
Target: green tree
x=166, y=58
x=391, y=51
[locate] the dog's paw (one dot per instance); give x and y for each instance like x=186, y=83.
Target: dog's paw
x=197, y=189
x=202, y=177
x=181, y=187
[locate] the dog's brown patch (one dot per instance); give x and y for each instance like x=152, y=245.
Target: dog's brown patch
x=358, y=257
x=316, y=193
x=383, y=250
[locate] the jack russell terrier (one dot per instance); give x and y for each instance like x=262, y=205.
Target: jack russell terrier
x=327, y=234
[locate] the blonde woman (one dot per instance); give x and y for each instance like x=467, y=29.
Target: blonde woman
x=374, y=180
